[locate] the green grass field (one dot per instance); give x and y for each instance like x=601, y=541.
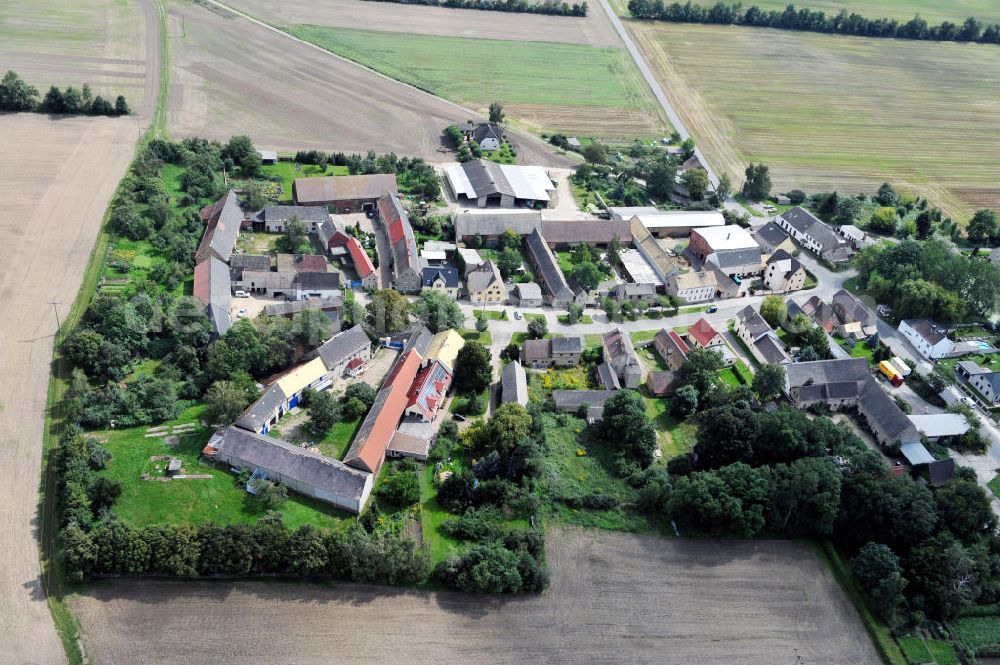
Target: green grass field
x=918, y=650
x=193, y=501
x=935, y=11
x=830, y=112
x=977, y=632
x=551, y=86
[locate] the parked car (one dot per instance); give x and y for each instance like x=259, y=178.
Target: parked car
x=517, y=315
x=242, y=294
x=458, y=416
x=242, y=313
x=713, y=309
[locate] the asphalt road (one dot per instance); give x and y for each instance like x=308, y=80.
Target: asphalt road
x=654, y=85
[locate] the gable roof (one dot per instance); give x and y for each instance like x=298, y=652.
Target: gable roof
x=790, y=265
x=212, y=289
x=753, y=321
x=570, y=344
x=528, y=290
x=343, y=345
x=800, y=219
x=326, y=303
x=884, y=414
x=343, y=188
x=648, y=246
x=567, y=400
x=367, y=451
x=493, y=222
x=444, y=347
x=300, y=263
x=607, y=377
x=574, y=231
x=362, y=262
x=771, y=348
x=514, y=384
x=429, y=388
x=291, y=461
x=771, y=234
x=316, y=280
x=663, y=382
x=928, y=330
x=617, y=346
x=397, y=226
x=702, y=332
x=486, y=130
x=482, y=277
x=850, y=309
x=222, y=229
x=729, y=237
x=551, y=274
x=305, y=214
x=823, y=372
x=431, y=274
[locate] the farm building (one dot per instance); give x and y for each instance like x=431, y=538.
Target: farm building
x=703, y=335
x=514, y=384
x=488, y=135
x=820, y=312
x=212, y=289
x=444, y=347
x=368, y=276
x=283, y=395
x=672, y=348
x=939, y=425
x=484, y=284
x=814, y=235
x=345, y=193
x=428, y=392
x=344, y=347
x=835, y=383
x=406, y=264
x=662, y=383
x=663, y=263
x=637, y=268
x=481, y=183
x=694, y=285
x=291, y=285
x=469, y=259
x=238, y=263
x=528, y=294
x=487, y=226
x=729, y=248
x=268, y=156
x=771, y=238
x=556, y=291
x=565, y=234
x=303, y=471
x=275, y=219
x=367, y=451
x=300, y=263
x=558, y=352
x=329, y=306
x=572, y=400
x=224, y=219
x=633, y=292
x=678, y=223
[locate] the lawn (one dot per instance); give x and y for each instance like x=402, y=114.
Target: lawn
x=860, y=350
x=493, y=315
x=193, y=501
x=643, y=336
x=815, y=137
x=676, y=437
x=484, y=337
x=439, y=545
x=338, y=439
x=578, y=465
x=919, y=650
x=289, y=171
x=584, y=318
x=549, y=86
x=978, y=633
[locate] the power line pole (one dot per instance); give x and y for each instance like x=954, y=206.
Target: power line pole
x=55, y=309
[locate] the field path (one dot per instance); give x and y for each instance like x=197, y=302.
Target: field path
x=614, y=598
x=55, y=193
x=661, y=97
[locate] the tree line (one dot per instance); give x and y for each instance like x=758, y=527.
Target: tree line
x=547, y=7
x=804, y=19
x=17, y=95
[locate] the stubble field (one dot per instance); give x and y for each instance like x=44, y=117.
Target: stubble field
x=234, y=76
x=614, y=599
x=829, y=112
x=101, y=42
x=55, y=192
x=592, y=30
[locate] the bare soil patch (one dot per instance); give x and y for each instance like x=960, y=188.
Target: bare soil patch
x=614, y=599
x=55, y=182
x=233, y=76
x=594, y=29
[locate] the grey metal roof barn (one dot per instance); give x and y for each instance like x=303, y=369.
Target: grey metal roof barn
x=514, y=384
x=222, y=228
x=343, y=345
x=548, y=267
x=305, y=214
x=330, y=189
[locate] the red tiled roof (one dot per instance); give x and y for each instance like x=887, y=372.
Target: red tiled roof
x=355, y=363
x=702, y=332
x=203, y=282
x=396, y=232
x=362, y=262
x=681, y=345
x=312, y=263
x=368, y=450
x=338, y=239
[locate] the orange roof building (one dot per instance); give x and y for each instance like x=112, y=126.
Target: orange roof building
x=367, y=452
x=703, y=334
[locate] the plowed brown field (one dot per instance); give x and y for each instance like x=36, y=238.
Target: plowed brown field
x=614, y=599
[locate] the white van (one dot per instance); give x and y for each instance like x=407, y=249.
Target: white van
x=242, y=294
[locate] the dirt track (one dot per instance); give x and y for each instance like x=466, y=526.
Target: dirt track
x=54, y=195
x=593, y=30
x=232, y=76
x=614, y=599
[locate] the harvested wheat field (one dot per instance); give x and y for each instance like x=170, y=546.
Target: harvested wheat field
x=614, y=599
x=55, y=183
x=593, y=29
x=234, y=76
x=830, y=112
x=101, y=42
